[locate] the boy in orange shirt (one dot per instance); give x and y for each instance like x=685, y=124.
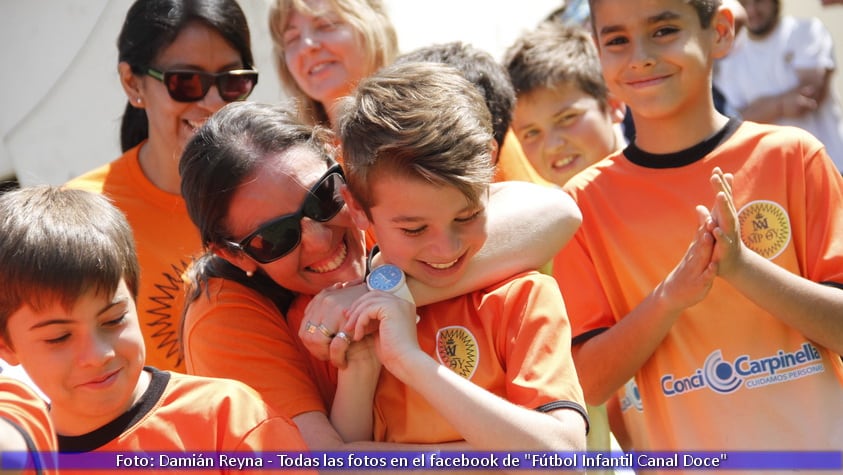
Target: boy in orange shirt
x=565, y=119
x=734, y=341
x=419, y=153
x=67, y=315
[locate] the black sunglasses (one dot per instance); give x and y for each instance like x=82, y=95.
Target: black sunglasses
x=192, y=86
x=277, y=238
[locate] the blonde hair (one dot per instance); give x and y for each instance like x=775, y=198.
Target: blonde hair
x=367, y=18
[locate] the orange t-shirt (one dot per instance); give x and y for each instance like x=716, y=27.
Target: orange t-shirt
x=232, y=331
x=728, y=375
x=28, y=413
x=512, y=339
x=166, y=242
x=195, y=415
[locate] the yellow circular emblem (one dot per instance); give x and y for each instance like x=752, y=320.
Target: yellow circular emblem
x=456, y=348
x=764, y=227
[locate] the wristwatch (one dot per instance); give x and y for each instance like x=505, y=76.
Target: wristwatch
x=389, y=278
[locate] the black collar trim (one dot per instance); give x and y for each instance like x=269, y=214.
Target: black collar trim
x=105, y=434
x=683, y=157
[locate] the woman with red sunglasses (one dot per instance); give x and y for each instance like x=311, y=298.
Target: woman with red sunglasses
x=264, y=190
x=179, y=62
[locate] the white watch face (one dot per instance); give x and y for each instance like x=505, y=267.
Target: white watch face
x=385, y=278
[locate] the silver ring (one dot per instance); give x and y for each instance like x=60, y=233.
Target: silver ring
x=344, y=336
x=309, y=327
x=322, y=328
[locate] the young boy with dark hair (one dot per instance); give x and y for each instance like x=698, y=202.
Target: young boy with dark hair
x=68, y=281
x=565, y=118
x=734, y=341
x=491, y=368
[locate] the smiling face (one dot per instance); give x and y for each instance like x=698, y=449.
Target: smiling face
x=429, y=231
x=564, y=130
x=88, y=359
x=323, y=53
x=171, y=123
x=328, y=253
x=656, y=57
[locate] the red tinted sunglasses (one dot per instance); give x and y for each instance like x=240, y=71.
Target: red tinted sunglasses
x=192, y=86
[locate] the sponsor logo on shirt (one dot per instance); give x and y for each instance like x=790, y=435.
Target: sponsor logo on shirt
x=764, y=228
x=457, y=349
x=632, y=397
x=723, y=376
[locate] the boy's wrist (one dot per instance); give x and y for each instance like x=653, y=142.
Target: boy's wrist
x=390, y=278
x=412, y=367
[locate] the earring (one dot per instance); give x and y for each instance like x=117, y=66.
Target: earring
x=138, y=100
x=249, y=273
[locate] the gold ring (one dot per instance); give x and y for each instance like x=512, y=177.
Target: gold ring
x=309, y=327
x=325, y=331
x=344, y=336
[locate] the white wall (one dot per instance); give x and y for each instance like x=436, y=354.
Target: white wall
x=61, y=99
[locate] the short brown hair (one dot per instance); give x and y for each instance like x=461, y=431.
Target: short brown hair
x=57, y=244
x=418, y=120
x=555, y=55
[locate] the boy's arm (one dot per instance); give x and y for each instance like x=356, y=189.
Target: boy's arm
x=351, y=410
x=815, y=310
x=603, y=369
x=485, y=420
x=527, y=225
x=805, y=97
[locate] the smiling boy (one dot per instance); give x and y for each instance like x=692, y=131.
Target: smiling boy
x=565, y=118
x=418, y=149
x=69, y=278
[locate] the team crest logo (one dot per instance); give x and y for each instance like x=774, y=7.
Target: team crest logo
x=765, y=228
x=456, y=348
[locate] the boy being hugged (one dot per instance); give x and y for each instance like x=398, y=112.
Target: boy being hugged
x=734, y=341
x=69, y=277
x=491, y=368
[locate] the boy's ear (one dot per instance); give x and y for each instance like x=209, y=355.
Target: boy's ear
x=723, y=25
x=131, y=85
x=358, y=214
x=7, y=353
x=617, y=108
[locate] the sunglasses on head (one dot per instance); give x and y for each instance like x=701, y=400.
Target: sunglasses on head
x=277, y=238
x=192, y=86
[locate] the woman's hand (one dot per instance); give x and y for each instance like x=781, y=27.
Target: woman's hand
x=324, y=317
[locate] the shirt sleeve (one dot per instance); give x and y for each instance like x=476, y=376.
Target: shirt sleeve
x=586, y=302
x=824, y=217
x=233, y=332
x=537, y=346
x=813, y=46
x=27, y=412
